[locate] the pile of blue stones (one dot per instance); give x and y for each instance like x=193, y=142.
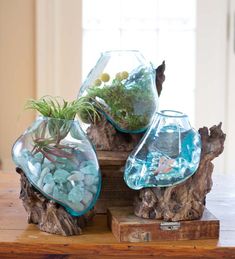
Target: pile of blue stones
x=72, y=183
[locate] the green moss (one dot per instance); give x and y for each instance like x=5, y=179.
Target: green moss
x=128, y=103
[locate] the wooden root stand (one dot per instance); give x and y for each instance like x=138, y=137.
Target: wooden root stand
x=185, y=201
x=48, y=215
x=183, y=204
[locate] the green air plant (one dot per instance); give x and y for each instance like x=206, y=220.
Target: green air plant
x=62, y=115
x=126, y=100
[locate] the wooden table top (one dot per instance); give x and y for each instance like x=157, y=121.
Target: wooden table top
x=17, y=238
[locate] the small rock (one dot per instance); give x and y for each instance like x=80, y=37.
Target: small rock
x=89, y=179
x=92, y=188
x=76, y=194
x=89, y=169
x=60, y=176
x=38, y=157
x=35, y=169
x=48, y=179
x=59, y=195
x=88, y=196
x=44, y=172
x=49, y=165
x=78, y=206
x=48, y=188
x=26, y=153
x=76, y=176
x=69, y=186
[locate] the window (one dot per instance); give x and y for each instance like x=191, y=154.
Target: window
x=160, y=29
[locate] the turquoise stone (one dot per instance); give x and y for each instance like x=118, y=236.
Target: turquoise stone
x=48, y=179
x=89, y=179
x=58, y=194
x=60, y=176
x=49, y=165
x=38, y=157
x=78, y=206
x=86, y=163
x=76, y=176
x=89, y=169
x=48, y=188
x=88, y=196
x=92, y=188
x=69, y=186
x=76, y=194
x=44, y=172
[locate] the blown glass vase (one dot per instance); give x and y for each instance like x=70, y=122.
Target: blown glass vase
x=60, y=162
x=167, y=155
x=122, y=86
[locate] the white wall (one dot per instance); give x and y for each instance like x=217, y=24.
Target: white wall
x=211, y=67
x=59, y=47
x=230, y=102
x=17, y=72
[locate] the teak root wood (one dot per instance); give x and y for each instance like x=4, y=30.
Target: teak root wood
x=185, y=201
x=105, y=137
x=48, y=215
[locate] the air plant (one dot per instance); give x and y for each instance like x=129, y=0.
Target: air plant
x=62, y=115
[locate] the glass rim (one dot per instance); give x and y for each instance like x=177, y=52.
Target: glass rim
x=120, y=51
x=58, y=119
x=172, y=114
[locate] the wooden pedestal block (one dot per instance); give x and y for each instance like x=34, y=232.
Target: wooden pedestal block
x=126, y=227
x=114, y=191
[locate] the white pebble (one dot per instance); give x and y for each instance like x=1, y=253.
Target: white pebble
x=89, y=179
x=76, y=176
x=34, y=169
x=87, y=197
x=45, y=171
x=48, y=188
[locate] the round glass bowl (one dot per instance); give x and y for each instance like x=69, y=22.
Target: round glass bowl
x=122, y=87
x=60, y=162
x=168, y=153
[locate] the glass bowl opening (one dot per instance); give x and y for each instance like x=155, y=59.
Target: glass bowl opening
x=172, y=113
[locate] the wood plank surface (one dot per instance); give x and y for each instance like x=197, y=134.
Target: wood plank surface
x=112, y=158
x=127, y=227
x=18, y=239
x=114, y=191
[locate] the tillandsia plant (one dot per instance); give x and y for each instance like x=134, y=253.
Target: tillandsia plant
x=64, y=113
x=56, y=155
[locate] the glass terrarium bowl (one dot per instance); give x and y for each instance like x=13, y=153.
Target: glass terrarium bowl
x=168, y=153
x=122, y=87
x=60, y=162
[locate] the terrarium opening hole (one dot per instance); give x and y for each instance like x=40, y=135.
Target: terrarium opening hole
x=171, y=113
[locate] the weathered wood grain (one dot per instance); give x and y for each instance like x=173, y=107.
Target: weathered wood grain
x=18, y=239
x=48, y=215
x=185, y=201
x=126, y=227
x=114, y=191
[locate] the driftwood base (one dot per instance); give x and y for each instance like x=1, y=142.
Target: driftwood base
x=185, y=201
x=48, y=215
